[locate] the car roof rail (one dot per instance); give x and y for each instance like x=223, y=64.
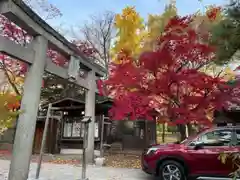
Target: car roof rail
x=228, y=125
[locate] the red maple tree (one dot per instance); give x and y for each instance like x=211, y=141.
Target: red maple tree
x=168, y=80
x=84, y=48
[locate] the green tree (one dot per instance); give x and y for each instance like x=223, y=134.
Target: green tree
x=156, y=24
x=226, y=34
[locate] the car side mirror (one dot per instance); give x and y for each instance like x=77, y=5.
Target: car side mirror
x=199, y=146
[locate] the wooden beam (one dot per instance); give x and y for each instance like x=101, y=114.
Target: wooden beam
x=71, y=107
x=15, y=50
x=62, y=72
x=26, y=54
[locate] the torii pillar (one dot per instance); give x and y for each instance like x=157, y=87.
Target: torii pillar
x=90, y=111
x=22, y=148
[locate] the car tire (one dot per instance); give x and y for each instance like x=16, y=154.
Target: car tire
x=171, y=170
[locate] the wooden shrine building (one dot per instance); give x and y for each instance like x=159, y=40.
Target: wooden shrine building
x=65, y=131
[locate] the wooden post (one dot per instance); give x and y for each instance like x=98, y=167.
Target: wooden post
x=43, y=140
x=101, y=138
x=86, y=120
x=85, y=144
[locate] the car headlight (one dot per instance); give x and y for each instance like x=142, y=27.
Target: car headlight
x=151, y=150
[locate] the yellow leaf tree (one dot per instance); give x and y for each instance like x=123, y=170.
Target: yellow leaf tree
x=205, y=20
x=130, y=33
x=9, y=104
x=156, y=24
x=9, y=99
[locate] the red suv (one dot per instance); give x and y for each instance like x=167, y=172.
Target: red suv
x=194, y=157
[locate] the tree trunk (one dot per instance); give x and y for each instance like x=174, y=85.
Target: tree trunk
x=190, y=129
x=182, y=131
x=187, y=132
x=146, y=134
x=163, y=132
x=113, y=131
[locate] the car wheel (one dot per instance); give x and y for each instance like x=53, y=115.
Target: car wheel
x=171, y=170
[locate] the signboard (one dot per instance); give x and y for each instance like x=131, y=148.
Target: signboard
x=76, y=129
x=67, y=130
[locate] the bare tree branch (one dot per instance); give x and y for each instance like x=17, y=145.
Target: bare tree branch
x=98, y=33
x=44, y=8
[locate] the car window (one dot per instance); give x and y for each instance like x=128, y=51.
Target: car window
x=215, y=138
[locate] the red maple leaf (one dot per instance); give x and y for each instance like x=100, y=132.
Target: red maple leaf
x=213, y=12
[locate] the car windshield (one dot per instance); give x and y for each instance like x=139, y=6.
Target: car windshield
x=190, y=138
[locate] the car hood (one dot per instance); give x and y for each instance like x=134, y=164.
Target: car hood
x=168, y=146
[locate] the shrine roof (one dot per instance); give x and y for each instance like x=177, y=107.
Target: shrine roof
x=73, y=102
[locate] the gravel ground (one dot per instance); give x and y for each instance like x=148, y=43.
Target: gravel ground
x=51, y=171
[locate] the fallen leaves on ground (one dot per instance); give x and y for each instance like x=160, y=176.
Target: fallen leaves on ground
x=65, y=161
x=123, y=161
x=58, y=159
x=117, y=161
x=61, y=159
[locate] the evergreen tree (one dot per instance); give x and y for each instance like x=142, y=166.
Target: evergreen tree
x=226, y=34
